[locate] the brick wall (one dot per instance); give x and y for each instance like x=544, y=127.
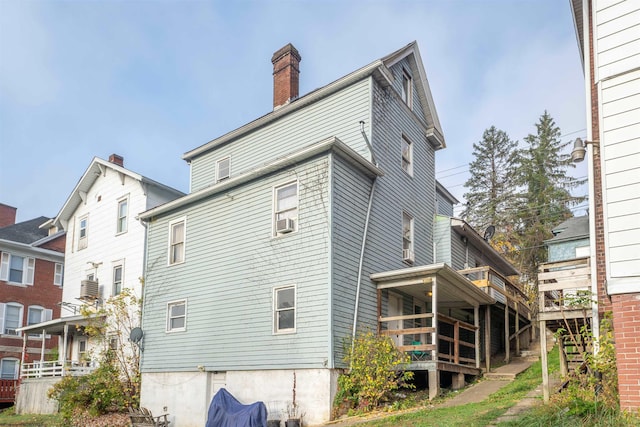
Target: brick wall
x=626, y=325
x=43, y=293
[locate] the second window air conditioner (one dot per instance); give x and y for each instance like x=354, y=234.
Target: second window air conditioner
x=286, y=225
x=407, y=255
x=89, y=289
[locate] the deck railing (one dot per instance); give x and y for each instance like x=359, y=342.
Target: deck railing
x=8, y=390
x=54, y=369
x=564, y=287
x=501, y=288
x=455, y=348
x=422, y=345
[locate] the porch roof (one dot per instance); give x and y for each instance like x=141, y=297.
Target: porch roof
x=56, y=326
x=453, y=289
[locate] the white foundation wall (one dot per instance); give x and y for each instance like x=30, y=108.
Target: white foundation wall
x=187, y=395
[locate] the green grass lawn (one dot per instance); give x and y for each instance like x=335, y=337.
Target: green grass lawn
x=8, y=417
x=473, y=414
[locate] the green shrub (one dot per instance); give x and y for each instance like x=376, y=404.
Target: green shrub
x=100, y=392
x=374, y=372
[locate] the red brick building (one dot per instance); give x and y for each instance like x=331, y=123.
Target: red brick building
x=31, y=274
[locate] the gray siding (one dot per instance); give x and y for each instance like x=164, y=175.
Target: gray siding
x=565, y=250
x=350, y=198
x=443, y=205
x=232, y=263
x=396, y=70
x=396, y=192
x=337, y=115
x=442, y=239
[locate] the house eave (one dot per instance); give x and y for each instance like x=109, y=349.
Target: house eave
x=295, y=157
x=46, y=254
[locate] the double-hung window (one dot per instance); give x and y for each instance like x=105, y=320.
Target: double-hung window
x=83, y=232
x=406, y=92
x=407, y=155
x=117, y=280
x=285, y=216
x=177, y=316
x=10, y=318
x=407, y=238
x=123, y=212
x=17, y=269
x=58, y=274
x=284, y=309
x=37, y=314
x=223, y=169
x=9, y=368
x=177, y=241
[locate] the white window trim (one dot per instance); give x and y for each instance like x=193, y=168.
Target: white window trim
x=16, y=368
x=45, y=314
x=126, y=217
x=168, y=319
x=274, y=212
x=411, y=258
x=28, y=269
x=409, y=93
x=409, y=170
x=83, y=242
x=275, y=310
x=115, y=265
x=3, y=318
x=221, y=178
x=58, y=277
x=184, y=241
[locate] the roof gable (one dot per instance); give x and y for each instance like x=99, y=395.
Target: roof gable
x=96, y=168
x=379, y=69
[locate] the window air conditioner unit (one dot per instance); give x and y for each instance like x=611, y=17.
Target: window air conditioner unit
x=285, y=225
x=407, y=255
x=88, y=289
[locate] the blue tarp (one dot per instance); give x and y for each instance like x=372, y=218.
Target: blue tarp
x=226, y=411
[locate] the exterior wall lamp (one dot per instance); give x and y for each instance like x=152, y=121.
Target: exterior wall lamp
x=580, y=149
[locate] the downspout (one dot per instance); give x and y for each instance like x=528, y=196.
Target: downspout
x=364, y=239
x=144, y=288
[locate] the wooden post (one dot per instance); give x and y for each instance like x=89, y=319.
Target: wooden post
x=487, y=337
x=456, y=342
x=507, y=350
x=434, y=383
x=434, y=320
x=517, y=328
x=379, y=307
x=24, y=352
x=564, y=368
x=545, y=362
x=476, y=323
x=64, y=348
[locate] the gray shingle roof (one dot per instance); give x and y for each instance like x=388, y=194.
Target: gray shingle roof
x=25, y=232
x=572, y=229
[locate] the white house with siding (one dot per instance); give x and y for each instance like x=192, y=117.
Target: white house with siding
x=299, y=229
x=608, y=33
x=104, y=254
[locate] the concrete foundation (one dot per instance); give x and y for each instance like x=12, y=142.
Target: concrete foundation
x=186, y=395
x=31, y=397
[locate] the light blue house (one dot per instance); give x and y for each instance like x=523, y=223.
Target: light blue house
x=303, y=226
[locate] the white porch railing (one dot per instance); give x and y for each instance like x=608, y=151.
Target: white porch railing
x=53, y=369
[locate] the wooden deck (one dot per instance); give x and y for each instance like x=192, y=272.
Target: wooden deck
x=8, y=390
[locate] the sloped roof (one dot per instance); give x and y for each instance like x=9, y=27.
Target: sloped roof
x=378, y=68
x=503, y=266
x=98, y=167
x=575, y=228
x=26, y=232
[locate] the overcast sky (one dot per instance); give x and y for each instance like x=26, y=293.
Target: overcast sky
x=150, y=80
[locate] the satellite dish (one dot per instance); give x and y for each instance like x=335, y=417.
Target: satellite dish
x=489, y=232
x=136, y=335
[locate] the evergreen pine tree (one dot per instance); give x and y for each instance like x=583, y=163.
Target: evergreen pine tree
x=491, y=185
x=545, y=199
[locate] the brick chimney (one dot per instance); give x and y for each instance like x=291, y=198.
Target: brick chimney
x=286, y=72
x=116, y=159
x=7, y=215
